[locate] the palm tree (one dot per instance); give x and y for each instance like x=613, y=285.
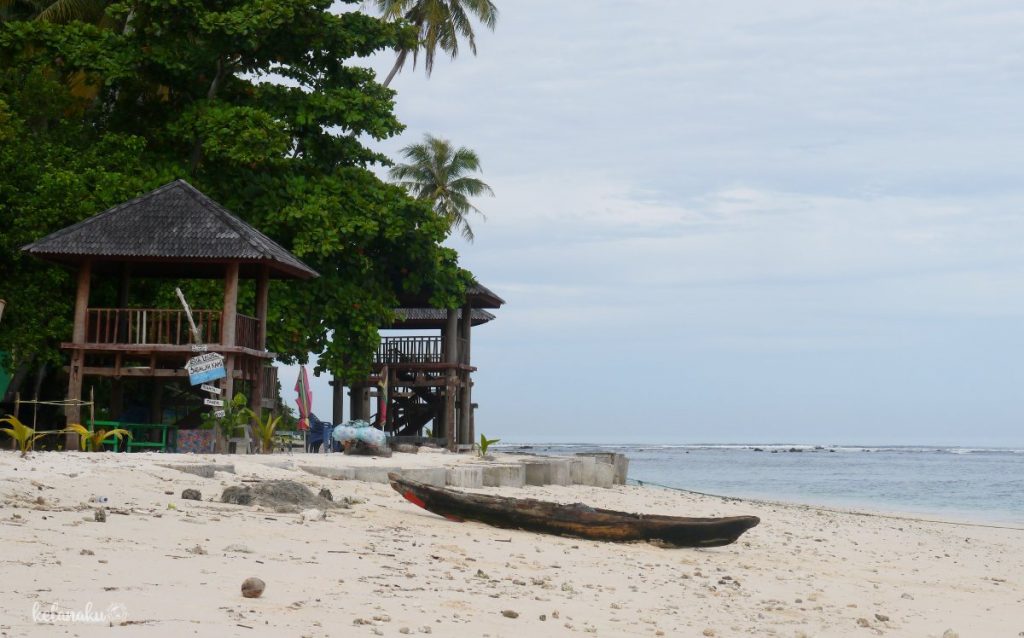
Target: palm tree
x=11, y=10
x=440, y=24
x=62, y=11
x=438, y=173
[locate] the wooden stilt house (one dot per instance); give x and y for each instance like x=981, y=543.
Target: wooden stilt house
x=429, y=377
x=172, y=232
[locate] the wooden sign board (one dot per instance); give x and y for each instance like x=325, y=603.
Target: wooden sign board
x=217, y=403
x=205, y=367
x=219, y=414
x=212, y=389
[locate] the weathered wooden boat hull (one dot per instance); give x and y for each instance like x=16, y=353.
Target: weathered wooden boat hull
x=572, y=520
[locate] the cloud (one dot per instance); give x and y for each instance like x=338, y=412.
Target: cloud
x=809, y=209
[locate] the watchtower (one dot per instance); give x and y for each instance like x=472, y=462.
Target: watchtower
x=429, y=377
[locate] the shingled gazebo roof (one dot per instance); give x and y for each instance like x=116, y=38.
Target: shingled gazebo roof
x=433, y=317
x=477, y=295
x=480, y=296
x=172, y=231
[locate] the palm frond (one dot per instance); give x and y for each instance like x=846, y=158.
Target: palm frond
x=440, y=25
x=439, y=173
x=471, y=186
x=62, y=11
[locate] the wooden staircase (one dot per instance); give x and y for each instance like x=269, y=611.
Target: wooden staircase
x=414, y=407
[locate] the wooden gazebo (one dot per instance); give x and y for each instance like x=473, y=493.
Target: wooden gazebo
x=174, y=232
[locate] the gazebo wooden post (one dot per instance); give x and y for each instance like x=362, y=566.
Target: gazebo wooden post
x=338, y=404
x=73, y=412
x=262, y=300
x=465, y=397
x=354, y=405
x=228, y=324
x=451, y=358
x=390, y=414
x=116, y=381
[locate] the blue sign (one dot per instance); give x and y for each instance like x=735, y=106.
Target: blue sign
x=208, y=375
x=205, y=367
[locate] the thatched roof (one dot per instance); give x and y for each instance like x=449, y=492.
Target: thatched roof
x=477, y=296
x=480, y=296
x=173, y=231
x=433, y=317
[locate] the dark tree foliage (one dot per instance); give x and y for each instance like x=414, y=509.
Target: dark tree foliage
x=256, y=103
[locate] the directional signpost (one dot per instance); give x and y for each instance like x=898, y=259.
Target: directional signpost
x=204, y=366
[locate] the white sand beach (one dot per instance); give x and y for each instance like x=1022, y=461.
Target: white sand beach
x=164, y=566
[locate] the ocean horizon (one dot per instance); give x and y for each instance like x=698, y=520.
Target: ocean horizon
x=957, y=483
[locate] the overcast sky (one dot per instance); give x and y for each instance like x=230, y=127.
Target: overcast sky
x=742, y=221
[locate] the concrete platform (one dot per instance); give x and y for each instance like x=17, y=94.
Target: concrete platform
x=205, y=470
x=619, y=461
x=336, y=473
x=581, y=470
x=604, y=475
x=504, y=475
x=374, y=474
x=466, y=476
x=436, y=476
x=547, y=471
x=460, y=472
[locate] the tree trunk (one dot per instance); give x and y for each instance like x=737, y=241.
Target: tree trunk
x=17, y=379
x=399, y=63
x=211, y=94
x=40, y=377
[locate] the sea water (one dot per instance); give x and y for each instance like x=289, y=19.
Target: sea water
x=951, y=483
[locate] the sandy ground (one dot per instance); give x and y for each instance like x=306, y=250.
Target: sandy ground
x=164, y=566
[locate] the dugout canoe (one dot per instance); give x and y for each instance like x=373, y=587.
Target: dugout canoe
x=576, y=519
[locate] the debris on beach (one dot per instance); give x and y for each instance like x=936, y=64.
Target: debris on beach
x=253, y=587
x=100, y=515
x=191, y=495
x=361, y=448
x=361, y=438
x=281, y=496
x=313, y=515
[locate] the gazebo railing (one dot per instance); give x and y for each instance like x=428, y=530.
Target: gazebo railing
x=162, y=326
x=246, y=331
x=269, y=386
x=410, y=350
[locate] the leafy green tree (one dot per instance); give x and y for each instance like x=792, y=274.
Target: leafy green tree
x=440, y=24
x=54, y=171
x=439, y=173
x=192, y=90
